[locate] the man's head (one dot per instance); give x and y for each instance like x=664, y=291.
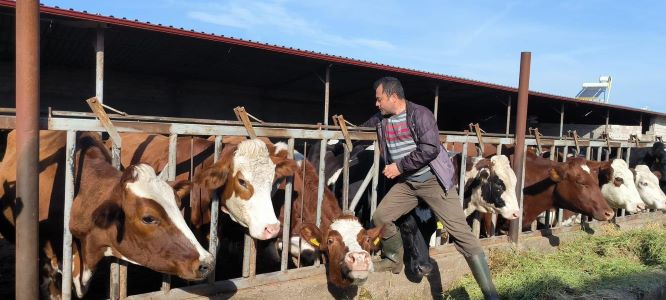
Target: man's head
x=389, y=95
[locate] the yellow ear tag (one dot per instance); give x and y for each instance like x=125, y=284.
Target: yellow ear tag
x=314, y=242
x=440, y=226
x=376, y=241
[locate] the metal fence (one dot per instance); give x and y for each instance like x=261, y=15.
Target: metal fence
x=295, y=134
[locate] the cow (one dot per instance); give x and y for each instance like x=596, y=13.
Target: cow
x=347, y=247
x=647, y=184
x=569, y=185
x=490, y=186
x=617, y=184
x=242, y=177
x=654, y=158
x=132, y=215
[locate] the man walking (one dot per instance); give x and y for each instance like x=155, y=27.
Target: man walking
x=409, y=141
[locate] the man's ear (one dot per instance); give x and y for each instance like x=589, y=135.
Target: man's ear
x=375, y=235
x=214, y=176
x=312, y=235
x=284, y=167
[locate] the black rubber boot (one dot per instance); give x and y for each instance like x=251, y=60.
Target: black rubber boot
x=479, y=266
x=392, y=252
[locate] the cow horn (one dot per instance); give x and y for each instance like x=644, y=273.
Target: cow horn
x=164, y=175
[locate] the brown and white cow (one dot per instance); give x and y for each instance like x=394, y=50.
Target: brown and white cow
x=242, y=177
x=347, y=246
x=131, y=215
x=617, y=184
x=569, y=185
x=647, y=184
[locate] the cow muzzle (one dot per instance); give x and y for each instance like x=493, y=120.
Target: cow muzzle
x=359, y=264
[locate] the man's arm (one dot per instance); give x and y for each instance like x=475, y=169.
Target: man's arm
x=427, y=142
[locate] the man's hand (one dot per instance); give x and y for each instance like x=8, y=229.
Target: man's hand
x=391, y=171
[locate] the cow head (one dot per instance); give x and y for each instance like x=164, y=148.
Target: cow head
x=647, y=184
x=493, y=184
x=347, y=246
x=618, y=186
x=243, y=178
x=142, y=224
x=417, y=257
x=578, y=190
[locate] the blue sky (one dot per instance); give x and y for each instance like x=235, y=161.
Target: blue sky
x=572, y=41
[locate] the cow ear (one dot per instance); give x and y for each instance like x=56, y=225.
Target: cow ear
x=214, y=176
x=284, y=167
x=375, y=236
x=312, y=235
x=618, y=181
x=107, y=214
x=555, y=175
x=181, y=188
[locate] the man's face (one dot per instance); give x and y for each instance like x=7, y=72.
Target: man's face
x=383, y=102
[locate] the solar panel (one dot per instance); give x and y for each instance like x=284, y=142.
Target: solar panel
x=591, y=93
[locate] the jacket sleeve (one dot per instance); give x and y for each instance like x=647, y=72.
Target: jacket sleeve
x=373, y=121
x=426, y=139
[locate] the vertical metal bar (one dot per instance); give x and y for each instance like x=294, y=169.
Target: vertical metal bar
x=463, y=167
x=508, y=117
x=375, y=179
x=560, y=212
x=436, y=109
x=99, y=65
x=214, y=214
x=561, y=120
x=286, y=235
x=599, y=151
x=171, y=169
x=550, y=214
x=607, y=120
x=249, y=257
x=327, y=93
x=618, y=155
x=345, y=179
x=521, y=120
x=628, y=154
x=322, y=179
x=69, y=197
x=476, y=225
x=27, y=149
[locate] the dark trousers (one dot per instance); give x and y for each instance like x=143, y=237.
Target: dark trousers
x=403, y=197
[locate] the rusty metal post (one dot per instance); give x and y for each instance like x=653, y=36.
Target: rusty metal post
x=26, y=207
x=99, y=66
x=345, y=178
x=172, y=162
x=327, y=93
x=521, y=120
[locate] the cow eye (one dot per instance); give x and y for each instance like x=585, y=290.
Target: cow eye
x=242, y=182
x=330, y=241
x=644, y=184
x=148, y=220
x=619, y=179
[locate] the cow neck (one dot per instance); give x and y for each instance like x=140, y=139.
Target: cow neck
x=307, y=198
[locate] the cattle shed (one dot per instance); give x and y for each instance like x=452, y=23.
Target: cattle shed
x=154, y=69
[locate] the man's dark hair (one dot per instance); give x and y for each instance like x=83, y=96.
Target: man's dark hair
x=390, y=85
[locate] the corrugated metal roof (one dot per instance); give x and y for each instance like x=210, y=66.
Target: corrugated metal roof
x=137, y=24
